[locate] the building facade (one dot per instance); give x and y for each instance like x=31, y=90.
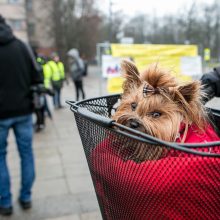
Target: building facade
x=39, y=24
x=14, y=12
x=31, y=22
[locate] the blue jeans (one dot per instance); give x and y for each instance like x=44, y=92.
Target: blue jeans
x=23, y=130
x=56, y=97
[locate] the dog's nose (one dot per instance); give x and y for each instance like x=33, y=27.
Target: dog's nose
x=134, y=124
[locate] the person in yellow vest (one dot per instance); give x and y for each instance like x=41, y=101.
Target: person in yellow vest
x=47, y=73
x=40, y=100
x=57, y=78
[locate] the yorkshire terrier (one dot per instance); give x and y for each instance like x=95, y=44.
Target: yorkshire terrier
x=154, y=103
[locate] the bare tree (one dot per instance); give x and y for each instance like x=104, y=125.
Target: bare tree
x=74, y=24
x=136, y=28
x=216, y=30
x=196, y=24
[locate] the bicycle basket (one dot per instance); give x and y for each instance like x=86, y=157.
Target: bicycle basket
x=177, y=181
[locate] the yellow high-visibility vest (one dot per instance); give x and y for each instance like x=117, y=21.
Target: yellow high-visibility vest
x=47, y=71
x=61, y=68
x=207, y=54
x=57, y=70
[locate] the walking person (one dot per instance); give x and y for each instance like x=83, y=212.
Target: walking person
x=83, y=57
x=40, y=93
x=39, y=99
x=47, y=73
x=77, y=70
x=18, y=72
x=57, y=78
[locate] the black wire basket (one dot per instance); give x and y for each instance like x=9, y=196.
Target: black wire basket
x=176, y=181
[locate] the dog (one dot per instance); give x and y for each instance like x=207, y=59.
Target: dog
x=155, y=103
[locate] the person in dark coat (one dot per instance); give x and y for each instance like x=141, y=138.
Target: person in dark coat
x=18, y=72
x=211, y=83
x=77, y=69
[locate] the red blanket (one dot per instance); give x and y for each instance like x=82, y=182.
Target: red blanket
x=174, y=187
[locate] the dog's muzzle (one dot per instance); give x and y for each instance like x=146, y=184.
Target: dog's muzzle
x=132, y=123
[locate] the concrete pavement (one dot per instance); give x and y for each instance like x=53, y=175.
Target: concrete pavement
x=63, y=189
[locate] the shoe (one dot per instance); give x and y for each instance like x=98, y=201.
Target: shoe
x=25, y=205
x=6, y=211
x=39, y=128
x=42, y=126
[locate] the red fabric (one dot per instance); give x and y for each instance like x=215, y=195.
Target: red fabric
x=174, y=187
x=196, y=136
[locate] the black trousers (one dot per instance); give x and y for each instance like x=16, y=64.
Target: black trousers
x=40, y=117
x=79, y=88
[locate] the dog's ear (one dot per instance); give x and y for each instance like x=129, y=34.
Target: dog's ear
x=191, y=92
x=131, y=75
x=189, y=97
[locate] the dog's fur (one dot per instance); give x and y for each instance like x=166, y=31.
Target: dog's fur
x=154, y=102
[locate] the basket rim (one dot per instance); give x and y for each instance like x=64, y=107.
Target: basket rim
x=140, y=136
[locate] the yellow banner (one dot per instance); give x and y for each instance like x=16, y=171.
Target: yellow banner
x=156, y=50
x=114, y=85
x=166, y=56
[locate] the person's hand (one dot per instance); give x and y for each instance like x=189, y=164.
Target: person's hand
x=50, y=92
x=67, y=81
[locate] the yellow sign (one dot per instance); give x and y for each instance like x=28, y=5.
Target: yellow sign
x=114, y=85
x=167, y=56
x=139, y=50
x=207, y=54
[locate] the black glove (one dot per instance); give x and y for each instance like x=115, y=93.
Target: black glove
x=40, y=89
x=50, y=92
x=211, y=84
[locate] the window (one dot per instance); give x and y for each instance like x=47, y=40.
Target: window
x=29, y=5
x=16, y=24
x=13, y=1
x=3, y=1
x=31, y=29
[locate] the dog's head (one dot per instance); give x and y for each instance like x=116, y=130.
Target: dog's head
x=154, y=103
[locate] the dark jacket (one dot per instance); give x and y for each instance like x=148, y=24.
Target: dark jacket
x=17, y=74
x=77, y=66
x=211, y=83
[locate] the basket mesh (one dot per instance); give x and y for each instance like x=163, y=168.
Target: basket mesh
x=170, y=184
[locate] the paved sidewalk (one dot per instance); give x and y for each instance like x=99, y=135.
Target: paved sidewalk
x=63, y=189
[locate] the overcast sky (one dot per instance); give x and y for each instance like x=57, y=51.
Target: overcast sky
x=160, y=7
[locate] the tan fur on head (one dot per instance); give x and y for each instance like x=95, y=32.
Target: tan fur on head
x=155, y=103
x=132, y=75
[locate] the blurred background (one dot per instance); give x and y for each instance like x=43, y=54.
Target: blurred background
x=58, y=25
x=98, y=29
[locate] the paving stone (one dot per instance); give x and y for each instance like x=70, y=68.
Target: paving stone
x=80, y=184
x=56, y=171
x=91, y=216
x=51, y=187
x=76, y=169
x=48, y=208
x=53, y=160
x=72, y=217
x=88, y=202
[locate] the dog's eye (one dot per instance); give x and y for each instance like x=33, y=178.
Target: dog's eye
x=133, y=106
x=155, y=114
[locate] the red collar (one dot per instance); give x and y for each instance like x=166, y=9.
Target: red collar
x=181, y=132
